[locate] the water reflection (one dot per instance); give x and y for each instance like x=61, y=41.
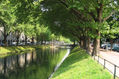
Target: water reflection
x=37, y=64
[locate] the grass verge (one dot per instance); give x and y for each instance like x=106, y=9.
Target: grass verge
x=79, y=65
x=10, y=50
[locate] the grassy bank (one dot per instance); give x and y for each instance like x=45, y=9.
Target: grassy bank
x=79, y=65
x=10, y=50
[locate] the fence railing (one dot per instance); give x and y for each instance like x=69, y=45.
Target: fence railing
x=113, y=71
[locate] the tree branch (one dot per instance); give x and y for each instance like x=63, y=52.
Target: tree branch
x=74, y=11
x=2, y=32
x=64, y=3
x=109, y=16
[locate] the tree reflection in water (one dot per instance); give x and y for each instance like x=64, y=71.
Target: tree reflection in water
x=38, y=64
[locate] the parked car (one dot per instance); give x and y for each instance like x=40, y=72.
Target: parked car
x=21, y=44
x=14, y=43
x=103, y=46
x=29, y=43
x=106, y=46
x=115, y=49
x=115, y=45
x=2, y=44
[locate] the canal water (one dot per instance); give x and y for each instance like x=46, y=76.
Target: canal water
x=37, y=64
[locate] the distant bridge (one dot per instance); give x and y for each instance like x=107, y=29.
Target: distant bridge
x=66, y=46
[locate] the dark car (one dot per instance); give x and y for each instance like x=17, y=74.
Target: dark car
x=1, y=44
x=115, y=49
x=29, y=43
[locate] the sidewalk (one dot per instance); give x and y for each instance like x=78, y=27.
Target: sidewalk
x=112, y=57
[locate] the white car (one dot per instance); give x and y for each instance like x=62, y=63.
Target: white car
x=14, y=43
x=106, y=46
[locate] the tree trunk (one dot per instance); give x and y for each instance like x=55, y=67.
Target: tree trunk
x=26, y=40
x=81, y=43
x=96, y=43
x=33, y=40
x=96, y=46
x=84, y=43
x=41, y=42
x=111, y=41
x=88, y=45
x=5, y=35
x=45, y=42
x=5, y=40
x=74, y=43
x=37, y=38
x=17, y=41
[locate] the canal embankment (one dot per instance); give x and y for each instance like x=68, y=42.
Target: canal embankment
x=80, y=65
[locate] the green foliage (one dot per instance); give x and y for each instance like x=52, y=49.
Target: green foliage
x=66, y=40
x=7, y=17
x=110, y=29
x=75, y=18
x=71, y=19
x=29, y=30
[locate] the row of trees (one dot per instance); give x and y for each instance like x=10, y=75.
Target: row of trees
x=80, y=20
x=17, y=20
x=83, y=20
x=39, y=34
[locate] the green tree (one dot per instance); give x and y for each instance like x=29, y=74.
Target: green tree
x=110, y=30
x=93, y=11
x=18, y=29
x=76, y=19
x=7, y=18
